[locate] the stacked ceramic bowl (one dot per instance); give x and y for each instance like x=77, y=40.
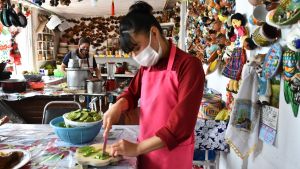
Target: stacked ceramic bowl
x=72, y=47
x=63, y=49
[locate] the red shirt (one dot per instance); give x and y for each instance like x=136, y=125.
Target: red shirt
x=182, y=119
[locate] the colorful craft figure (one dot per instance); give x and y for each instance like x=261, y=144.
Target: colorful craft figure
x=291, y=70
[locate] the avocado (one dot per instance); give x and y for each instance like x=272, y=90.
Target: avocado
x=84, y=116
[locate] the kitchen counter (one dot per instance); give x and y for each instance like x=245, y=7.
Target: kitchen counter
x=50, y=93
x=29, y=105
x=48, y=151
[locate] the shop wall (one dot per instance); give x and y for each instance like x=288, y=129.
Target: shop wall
x=285, y=154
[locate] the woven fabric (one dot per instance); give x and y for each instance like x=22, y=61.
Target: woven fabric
x=234, y=67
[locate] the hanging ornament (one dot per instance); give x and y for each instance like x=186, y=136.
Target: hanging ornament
x=15, y=55
x=112, y=8
x=291, y=74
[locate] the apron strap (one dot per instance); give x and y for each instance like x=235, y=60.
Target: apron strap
x=172, y=56
x=88, y=61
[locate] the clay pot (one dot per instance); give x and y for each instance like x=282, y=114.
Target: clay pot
x=255, y=2
x=272, y=6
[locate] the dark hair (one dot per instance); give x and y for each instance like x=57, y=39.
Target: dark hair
x=84, y=40
x=141, y=6
x=251, y=43
x=230, y=32
x=239, y=17
x=139, y=19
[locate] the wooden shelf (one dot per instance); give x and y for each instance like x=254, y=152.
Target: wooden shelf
x=45, y=41
x=167, y=24
x=44, y=49
x=110, y=56
x=119, y=75
x=45, y=33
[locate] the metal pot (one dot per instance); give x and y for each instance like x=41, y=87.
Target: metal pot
x=76, y=77
x=13, y=85
x=94, y=86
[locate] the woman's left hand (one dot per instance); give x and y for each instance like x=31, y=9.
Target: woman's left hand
x=125, y=148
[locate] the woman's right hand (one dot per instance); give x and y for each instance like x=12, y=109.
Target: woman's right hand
x=111, y=116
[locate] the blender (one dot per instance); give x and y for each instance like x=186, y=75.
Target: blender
x=111, y=83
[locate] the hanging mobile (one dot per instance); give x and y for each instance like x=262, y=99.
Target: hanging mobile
x=81, y=99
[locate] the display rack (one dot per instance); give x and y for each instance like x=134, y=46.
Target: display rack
x=45, y=45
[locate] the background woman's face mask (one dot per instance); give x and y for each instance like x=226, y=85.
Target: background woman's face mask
x=84, y=49
x=148, y=57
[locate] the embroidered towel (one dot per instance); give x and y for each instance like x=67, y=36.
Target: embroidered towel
x=243, y=127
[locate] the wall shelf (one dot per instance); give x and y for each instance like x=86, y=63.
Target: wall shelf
x=45, y=45
x=167, y=24
x=119, y=75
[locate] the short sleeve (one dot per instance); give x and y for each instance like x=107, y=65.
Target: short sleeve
x=66, y=58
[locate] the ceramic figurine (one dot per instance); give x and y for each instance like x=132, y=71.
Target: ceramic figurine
x=291, y=70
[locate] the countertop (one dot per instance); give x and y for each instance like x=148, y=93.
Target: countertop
x=48, y=151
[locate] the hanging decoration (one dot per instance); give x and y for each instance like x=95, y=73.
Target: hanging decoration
x=112, y=8
x=15, y=56
x=291, y=74
x=234, y=64
x=207, y=26
x=5, y=45
x=242, y=131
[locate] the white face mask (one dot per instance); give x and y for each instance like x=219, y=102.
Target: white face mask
x=148, y=57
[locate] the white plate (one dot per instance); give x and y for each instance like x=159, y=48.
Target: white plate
x=25, y=159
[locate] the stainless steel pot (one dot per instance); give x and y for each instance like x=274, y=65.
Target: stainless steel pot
x=94, y=86
x=77, y=77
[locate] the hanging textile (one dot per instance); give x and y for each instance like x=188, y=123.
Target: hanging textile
x=15, y=56
x=5, y=44
x=112, y=8
x=210, y=135
x=243, y=127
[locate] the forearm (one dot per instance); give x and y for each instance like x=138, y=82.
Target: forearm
x=150, y=144
x=122, y=104
x=63, y=67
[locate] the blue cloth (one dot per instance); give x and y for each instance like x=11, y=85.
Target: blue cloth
x=199, y=155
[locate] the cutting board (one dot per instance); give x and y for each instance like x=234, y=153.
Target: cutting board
x=96, y=162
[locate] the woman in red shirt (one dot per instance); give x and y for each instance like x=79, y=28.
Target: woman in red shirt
x=169, y=85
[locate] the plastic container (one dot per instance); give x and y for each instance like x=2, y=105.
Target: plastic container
x=33, y=78
x=36, y=85
x=77, y=135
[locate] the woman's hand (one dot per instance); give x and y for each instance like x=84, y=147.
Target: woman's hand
x=125, y=148
x=111, y=116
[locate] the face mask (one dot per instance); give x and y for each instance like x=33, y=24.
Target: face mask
x=84, y=51
x=148, y=57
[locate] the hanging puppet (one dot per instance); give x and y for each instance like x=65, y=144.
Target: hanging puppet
x=234, y=66
x=15, y=55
